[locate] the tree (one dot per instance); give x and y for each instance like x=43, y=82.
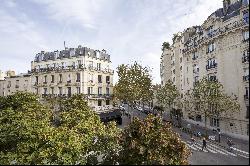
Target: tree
x=134, y=83
x=28, y=135
x=209, y=99
x=165, y=45
x=151, y=142
x=167, y=95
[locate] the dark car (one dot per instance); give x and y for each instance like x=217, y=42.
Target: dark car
x=111, y=116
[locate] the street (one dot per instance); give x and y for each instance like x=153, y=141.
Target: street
x=217, y=155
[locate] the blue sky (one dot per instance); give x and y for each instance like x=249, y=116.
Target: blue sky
x=130, y=30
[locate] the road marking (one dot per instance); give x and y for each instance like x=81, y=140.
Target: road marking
x=240, y=151
x=225, y=151
x=243, y=156
x=191, y=146
x=208, y=148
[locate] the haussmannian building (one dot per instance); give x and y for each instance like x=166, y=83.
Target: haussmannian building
x=67, y=72
x=219, y=51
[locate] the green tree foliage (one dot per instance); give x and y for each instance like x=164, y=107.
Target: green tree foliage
x=167, y=95
x=165, y=45
x=134, y=83
x=209, y=99
x=28, y=135
x=149, y=142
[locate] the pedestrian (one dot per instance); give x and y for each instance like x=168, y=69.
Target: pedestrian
x=204, y=143
x=230, y=144
x=193, y=140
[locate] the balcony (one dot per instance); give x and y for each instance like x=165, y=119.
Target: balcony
x=69, y=81
x=44, y=82
x=246, y=97
x=245, y=59
x=246, y=78
x=8, y=86
x=77, y=80
x=208, y=67
x=17, y=86
x=194, y=58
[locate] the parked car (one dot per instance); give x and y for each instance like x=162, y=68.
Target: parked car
x=139, y=109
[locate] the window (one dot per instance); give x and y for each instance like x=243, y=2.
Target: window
x=99, y=102
x=99, y=79
x=79, y=63
x=17, y=83
x=180, y=59
x=107, y=102
x=78, y=90
x=36, y=80
x=98, y=66
x=45, y=91
x=211, y=47
x=90, y=64
x=90, y=77
x=181, y=68
x=245, y=35
x=246, y=17
x=187, y=68
x=69, y=79
x=174, y=79
x=90, y=90
x=60, y=90
x=77, y=77
x=52, y=78
x=45, y=79
x=107, y=91
x=52, y=90
x=99, y=90
x=69, y=91
x=25, y=83
x=198, y=118
x=108, y=79
x=60, y=77
x=247, y=113
x=174, y=71
x=36, y=89
x=214, y=122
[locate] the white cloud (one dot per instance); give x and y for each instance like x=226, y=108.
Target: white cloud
x=129, y=30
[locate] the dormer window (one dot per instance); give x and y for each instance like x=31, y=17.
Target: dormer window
x=246, y=16
x=245, y=35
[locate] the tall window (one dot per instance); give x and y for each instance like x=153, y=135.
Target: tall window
x=247, y=113
x=78, y=90
x=52, y=78
x=99, y=66
x=246, y=16
x=17, y=83
x=214, y=122
x=69, y=78
x=90, y=90
x=45, y=79
x=60, y=90
x=246, y=35
x=52, y=90
x=210, y=47
x=36, y=80
x=107, y=102
x=99, y=90
x=69, y=91
x=60, y=77
x=77, y=77
x=107, y=91
x=99, y=102
x=79, y=63
x=90, y=63
x=99, y=78
x=45, y=91
x=108, y=79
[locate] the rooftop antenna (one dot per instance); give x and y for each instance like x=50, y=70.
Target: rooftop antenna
x=64, y=45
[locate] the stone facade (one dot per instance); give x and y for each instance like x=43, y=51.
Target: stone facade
x=70, y=71
x=218, y=50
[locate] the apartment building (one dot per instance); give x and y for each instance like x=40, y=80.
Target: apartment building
x=67, y=72
x=14, y=83
x=218, y=50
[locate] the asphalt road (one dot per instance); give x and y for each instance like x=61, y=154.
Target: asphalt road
x=217, y=155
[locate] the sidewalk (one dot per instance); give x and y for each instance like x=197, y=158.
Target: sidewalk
x=240, y=144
